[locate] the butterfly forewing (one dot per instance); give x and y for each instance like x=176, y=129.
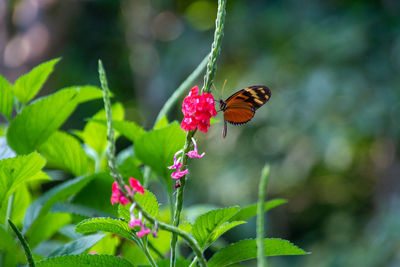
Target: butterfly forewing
x=240, y=107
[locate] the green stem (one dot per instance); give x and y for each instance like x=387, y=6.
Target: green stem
x=215, y=47
x=193, y=263
x=179, y=196
x=148, y=255
x=117, y=177
x=10, y=206
x=182, y=89
x=24, y=244
x=261, y=260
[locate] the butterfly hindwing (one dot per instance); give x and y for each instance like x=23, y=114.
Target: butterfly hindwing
x=240, y=107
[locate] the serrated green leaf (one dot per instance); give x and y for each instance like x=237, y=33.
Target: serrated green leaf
x=147, y=201
x=84, y=261
x=110, y=225
x=77, y=246
x=108, y=245
x=206, y=225
x=6, y=97
x=156, y=148
x=28, y=85
x=63, y=151
x=59, y=193
x=18, y=170
x=247, y=212
x=39, y=120
x=247, y=249
x=129, y=129
x=94, y=133
x=226, y=226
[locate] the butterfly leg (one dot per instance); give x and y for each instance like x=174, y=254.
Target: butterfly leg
x=224, y=129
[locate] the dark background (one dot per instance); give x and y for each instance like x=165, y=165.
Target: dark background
x=330, y=131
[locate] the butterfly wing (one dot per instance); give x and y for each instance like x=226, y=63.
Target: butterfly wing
x=240, y=107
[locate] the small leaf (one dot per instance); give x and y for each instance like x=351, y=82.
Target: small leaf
x=77, y=246
x=206, y=226
x=251, y=210
x=115, y=226
x=37, y=121
x=6, y=97
x=226, y=226
x=59, y=193
x=247, y=249
x=63, y=151
x=15, y=171
x=84, y=261
x=156, y=148
x=163, y=122
x=129, y=129
x=28, y=85
x=95, y=134
x=147, y=201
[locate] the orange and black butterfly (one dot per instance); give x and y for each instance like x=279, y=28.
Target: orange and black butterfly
x=240, y=107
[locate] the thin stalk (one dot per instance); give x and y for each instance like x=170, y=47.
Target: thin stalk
x=24, y=244
x=117, y=177
x=148, y=255
x=261, y=260
x=182, y=89
x=179, y=197
x=215, y=47
x=193, y=263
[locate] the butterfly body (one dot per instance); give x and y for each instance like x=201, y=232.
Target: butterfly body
x=240, y=107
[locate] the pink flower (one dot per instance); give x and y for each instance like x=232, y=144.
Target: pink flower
x=194, y=153
x=117, y=195
x=177, y=164
x=197, y=110
x=137, y=187
x=143, y=231
x=178, y=174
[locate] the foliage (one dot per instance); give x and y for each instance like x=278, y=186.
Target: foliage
x=78, y=197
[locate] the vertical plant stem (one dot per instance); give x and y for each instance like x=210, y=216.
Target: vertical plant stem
x=24, y=244
x=179, y=197
x=261, y=260
x=215, y=47
x=148, y=255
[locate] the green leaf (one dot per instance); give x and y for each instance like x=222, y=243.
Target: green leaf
x=77, y=246
x=95, y=134
x=28, y=85
x=39, y=120
x=59, y=193
x=129, y=129
x=6, y=97
x=147, y=201
x=84, y=261
x=115, y=226
x=207, y=226
x=15, y=171
x=163, y=122
x=130, y=168
x=79, y=210
x=156, y=148
x=166, y=263
x=8, y=245
x=63, y=151
x=247, y=249
x=46, y=226
x=251, y=210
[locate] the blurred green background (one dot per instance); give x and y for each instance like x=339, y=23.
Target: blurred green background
x=330, y=130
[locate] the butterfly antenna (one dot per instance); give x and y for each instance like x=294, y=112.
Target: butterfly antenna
x=223, y=86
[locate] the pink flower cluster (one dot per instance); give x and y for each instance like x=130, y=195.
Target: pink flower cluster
x=177, y=174
x=117, y=195
x=197, y=110
x=139, y=222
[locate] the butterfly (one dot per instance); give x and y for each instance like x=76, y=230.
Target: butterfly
x=240, y=107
